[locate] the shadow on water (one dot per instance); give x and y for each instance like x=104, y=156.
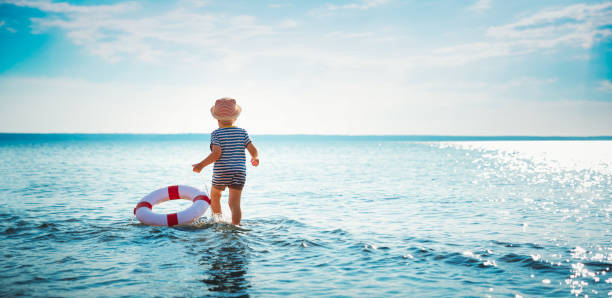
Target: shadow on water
x=226, y=265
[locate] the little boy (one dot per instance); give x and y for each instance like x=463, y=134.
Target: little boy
x=227, y=144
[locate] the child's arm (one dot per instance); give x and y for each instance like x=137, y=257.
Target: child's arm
x=254, y=154
x=212, y=157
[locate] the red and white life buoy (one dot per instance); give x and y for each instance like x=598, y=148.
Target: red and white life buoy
x=147, y=216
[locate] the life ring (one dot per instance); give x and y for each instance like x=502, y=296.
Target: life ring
x=146, y=215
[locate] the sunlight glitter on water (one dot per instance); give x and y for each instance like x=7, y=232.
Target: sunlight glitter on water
x=548, y=155
x=580, y=173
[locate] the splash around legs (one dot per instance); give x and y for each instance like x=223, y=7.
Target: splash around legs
x=233, y=202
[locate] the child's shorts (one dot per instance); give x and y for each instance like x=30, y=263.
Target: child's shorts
x=233, y=180
x=233, y=186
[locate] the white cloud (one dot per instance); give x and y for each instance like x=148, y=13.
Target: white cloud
x=372, y=37
x=581, y=24
x=605, y=85
x=365, y=4
x=7, y=28
x=531, y=81
x=288, y=24
x=63, y=7
x=190, y=36
x=106, y=30
x=480, y=5
x=350, y=35
x=575, y=25
x=279, y=5
x=196, y=3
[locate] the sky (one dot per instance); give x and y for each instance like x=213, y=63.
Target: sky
x=356, y=67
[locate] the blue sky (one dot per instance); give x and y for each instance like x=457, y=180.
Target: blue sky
x=478, y=67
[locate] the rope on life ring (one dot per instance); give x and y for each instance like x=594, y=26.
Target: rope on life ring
x=200, y=200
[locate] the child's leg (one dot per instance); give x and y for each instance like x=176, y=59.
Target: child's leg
x=215, y=200
x=234, y=204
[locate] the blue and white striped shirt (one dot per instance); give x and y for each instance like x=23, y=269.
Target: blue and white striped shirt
x=232, y=141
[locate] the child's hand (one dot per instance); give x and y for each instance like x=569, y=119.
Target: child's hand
x=255, y=161
x=197, y=167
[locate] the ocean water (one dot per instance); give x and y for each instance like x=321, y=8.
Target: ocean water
x=322, y=216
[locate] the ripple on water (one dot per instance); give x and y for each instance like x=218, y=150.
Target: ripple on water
x=535, y=263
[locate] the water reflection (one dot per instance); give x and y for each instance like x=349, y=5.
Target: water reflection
x=226, y=264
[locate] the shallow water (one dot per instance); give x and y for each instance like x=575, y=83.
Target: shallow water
x=321, y=216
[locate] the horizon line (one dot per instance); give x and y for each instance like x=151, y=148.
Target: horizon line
x=413, y=136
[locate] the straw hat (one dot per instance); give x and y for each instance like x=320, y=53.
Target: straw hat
x=225, y=109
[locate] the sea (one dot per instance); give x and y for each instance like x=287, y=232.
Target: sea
x=323, y=216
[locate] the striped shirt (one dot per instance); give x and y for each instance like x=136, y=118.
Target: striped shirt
x=232, y=141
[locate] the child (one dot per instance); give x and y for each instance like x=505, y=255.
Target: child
x=227, y=144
